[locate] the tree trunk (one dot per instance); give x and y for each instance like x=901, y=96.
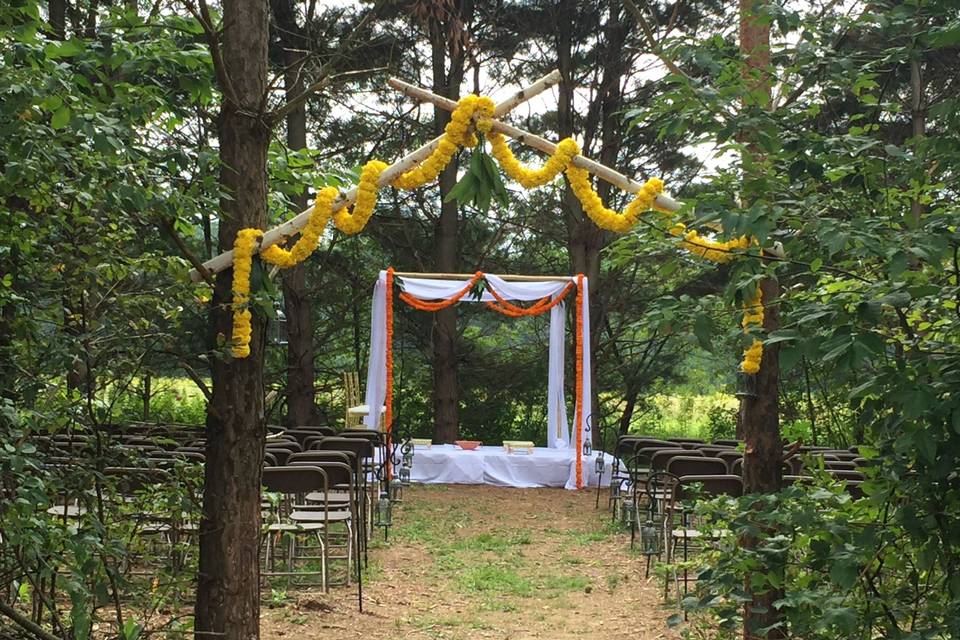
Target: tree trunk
x=297, y=307
x=760, y=416
x=585, y=240
x=918, y=121
x=228, y=603
x=58, y=18
x=762, y=458
x=446, y=402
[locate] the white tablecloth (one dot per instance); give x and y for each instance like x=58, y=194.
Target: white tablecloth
x=449, y=464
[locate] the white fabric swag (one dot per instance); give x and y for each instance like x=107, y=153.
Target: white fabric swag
x=558, y=430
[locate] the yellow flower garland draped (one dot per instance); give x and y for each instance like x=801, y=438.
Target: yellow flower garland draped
x=753, y=318
x=473, y=113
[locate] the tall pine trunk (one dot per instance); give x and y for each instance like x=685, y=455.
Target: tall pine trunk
x=446, y=402
x=585, y=240
x=228, y=583
x=760, y=415
x=297, y=306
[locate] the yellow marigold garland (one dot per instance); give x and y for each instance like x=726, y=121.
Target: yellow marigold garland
x=530, y=178
x=353, y=223
x=712, y=250
x=309, y=236
x=456, y=134
x=243, y=250
x=473, y=114
x=753, y=317
x=607, y=218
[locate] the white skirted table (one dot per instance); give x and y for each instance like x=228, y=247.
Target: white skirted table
x=449, y=464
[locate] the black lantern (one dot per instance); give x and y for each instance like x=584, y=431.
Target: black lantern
x=280, y=326
x=746, y=385
x=405, y=476
x=587, y=447
x=600, y=463
x=407, y=450
x=384, y=513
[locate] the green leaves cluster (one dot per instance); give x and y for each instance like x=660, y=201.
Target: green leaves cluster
x=480, y=184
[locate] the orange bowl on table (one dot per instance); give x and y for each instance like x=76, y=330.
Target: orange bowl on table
x=467, y=445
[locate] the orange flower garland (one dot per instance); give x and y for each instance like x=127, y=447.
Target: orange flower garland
x=542, y=306
x=417, y=303
x=388, y=412
x=579, y=386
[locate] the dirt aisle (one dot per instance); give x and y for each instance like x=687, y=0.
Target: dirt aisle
x=482, y=562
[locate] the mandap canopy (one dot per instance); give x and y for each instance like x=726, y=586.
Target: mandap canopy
x=432, y=292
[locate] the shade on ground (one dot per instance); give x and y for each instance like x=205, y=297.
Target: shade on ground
x=484, y=562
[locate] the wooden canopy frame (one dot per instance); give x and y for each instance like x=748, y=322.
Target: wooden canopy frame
x=293, y=226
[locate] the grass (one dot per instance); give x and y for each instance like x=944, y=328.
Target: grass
x=496, y=580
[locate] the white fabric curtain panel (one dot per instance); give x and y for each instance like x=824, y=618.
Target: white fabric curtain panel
x=558, y=430
x=377, y=364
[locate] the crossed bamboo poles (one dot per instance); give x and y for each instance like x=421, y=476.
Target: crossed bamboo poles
x=292, y=226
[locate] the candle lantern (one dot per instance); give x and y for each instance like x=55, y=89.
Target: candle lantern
x=384, y=514
x=600, y=463
x=407, y=450
x=650, y=538
x=405, y=476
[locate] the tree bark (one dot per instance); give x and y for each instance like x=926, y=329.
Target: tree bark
x=297, y=306
x=228, y=583
x=446, y=402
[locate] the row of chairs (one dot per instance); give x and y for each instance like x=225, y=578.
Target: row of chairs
x=655, y=476
x=320, y=491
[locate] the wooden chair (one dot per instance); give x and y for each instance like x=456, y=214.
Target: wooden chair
x=351, y=398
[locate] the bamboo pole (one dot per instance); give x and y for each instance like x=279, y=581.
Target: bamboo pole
x=615, y=178
x=292, y=226
x=467, y=276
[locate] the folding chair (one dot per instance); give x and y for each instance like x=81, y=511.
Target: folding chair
x=293, y=483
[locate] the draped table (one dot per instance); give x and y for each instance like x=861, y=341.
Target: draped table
x=449, y=464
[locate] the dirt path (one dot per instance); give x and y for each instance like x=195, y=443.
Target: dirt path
x=481, y=562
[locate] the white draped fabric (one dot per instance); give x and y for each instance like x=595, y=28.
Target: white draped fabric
x=558, y=431
x=448, y=464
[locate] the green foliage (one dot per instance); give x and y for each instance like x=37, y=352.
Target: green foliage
x=841, y=564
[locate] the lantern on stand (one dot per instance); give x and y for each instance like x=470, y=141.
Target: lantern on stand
x=629, y=512
x=600, y=464
x=383, y=517
x=649, y=540
x=406, y=463
x=396, y=491
x=588, y=437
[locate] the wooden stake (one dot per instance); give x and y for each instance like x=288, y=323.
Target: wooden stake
x=292, y=226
